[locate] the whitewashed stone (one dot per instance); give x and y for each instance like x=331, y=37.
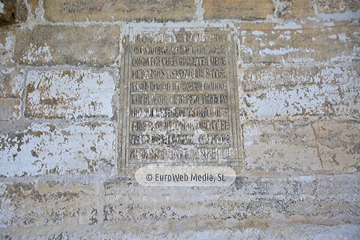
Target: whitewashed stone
x=69, y=94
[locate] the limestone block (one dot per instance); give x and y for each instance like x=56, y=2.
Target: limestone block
x=250, y=201
x=10, y=109
x=69, y=94
x=7, y=41
x=119, y=10
x=278, y=146
x=313, y=100
x=52, y=45
x=11, y=83
x=294, y=9
x=277, y=76
x=48, y=204
x=248, y=10
x=290, y=231
x=294, y=43
x=41, y=149
x=339, y=145
x=337, y=6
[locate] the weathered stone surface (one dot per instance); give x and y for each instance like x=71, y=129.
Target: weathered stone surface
x=10, y=109
x=277, y=76
x=34, y=4
x=7, y=41
x=299, y=231
x=290, y=231
x=283, y=73
x=51, y=45
x=94, y=10
x=11, y=83
x=280, y=146
x=261, y=199
x=69, y=94
x=48, y=204
x=12, y=12
x=41, y=149
x=291, y=42
x=239, y=9
x=314, y=100
x=339, y=145
x=294, y=9
x=337, y=6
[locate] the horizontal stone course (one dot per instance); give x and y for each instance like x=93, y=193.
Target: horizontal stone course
x=313, y=100
x=278, y=76
x=248, y=10
x=248, y=197
x=289, y=147
x=292, y=42
x=47, y=204
x=119, y=10
x=94, y=45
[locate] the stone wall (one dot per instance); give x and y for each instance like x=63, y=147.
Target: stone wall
x=64, y=108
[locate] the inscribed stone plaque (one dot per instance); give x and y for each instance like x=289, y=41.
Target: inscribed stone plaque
x=179, y=103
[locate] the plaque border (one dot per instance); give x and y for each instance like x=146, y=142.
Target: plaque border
x=233, y=105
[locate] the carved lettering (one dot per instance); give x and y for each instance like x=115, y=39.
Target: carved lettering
x=174, y=112
x=171, y=153
x=193, y=99
x=178, y=49
x=179, y=139
x=177, y=61
x=208, y=73
x=180, y=96
x=176, y=125
x=178, y=86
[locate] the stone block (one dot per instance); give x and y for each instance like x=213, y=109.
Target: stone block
x=119, y=10
x=300, y=9
x=41, y=149
x=69, y=94
x=48, y=204
x=93, y=45
x=339, y=145
x=10, y=109
x=277, y=76
x=315, y=231
x=7, y=41
x=295, y=43
x=12, y=12
x=11, y=83
x=313, y=100
x=280, y=146
x=247, y=10
x=250, y=201
x=338, y=6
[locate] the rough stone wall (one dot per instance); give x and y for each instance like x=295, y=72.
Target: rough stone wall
x=297, y=70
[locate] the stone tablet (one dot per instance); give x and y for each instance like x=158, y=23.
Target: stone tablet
x=179, y=103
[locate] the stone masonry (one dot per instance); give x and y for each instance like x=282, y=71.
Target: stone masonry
x=90, y=91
